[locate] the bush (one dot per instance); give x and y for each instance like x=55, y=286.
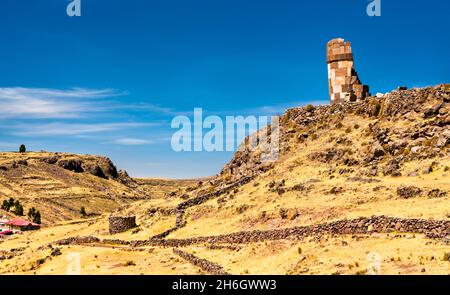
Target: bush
x=22, y=148
x=310, y=108
x=8, y=204
x=18, y=209
x=447, y=256
x=5, y=205
x=31, y=212
x=34, y=215
x=37, y=217
x=14, y=204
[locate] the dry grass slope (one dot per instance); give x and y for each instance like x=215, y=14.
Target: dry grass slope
x=385, y=156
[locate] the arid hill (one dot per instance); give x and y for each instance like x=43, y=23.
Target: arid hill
x=358, y=188
x=59, y=184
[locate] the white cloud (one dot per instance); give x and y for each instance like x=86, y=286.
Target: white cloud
x=67, y=129
x=46, y=103
x=131, y=141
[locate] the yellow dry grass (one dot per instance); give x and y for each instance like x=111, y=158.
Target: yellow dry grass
x=327, y=195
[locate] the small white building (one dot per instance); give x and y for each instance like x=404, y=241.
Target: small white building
x=3, y=222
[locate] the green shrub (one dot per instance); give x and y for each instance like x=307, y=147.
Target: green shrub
x=447, y=256
x=310, y=108
x=22, y=148
x=34, y=215
x=18, y=209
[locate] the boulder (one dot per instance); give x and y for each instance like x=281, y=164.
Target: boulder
x=407, y=192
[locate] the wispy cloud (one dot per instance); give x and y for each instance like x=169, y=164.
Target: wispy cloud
x=46, y=103
x=67, y=129
x=131, y=141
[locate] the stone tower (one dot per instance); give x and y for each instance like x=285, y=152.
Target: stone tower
x=343, y=81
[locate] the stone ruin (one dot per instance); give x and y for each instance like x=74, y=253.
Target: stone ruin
x=118, y=224
x=344, y=84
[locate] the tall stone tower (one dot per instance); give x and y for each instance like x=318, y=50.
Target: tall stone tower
x=344, y=84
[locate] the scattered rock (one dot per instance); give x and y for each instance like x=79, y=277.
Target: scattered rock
x=436, y=193
x=56, y=252
x=392, y=168
x=407, y=192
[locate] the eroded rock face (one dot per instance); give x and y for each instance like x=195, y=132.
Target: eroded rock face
x=51, y=160
x=74, y=165
x=95, y=170
x=118, y=224
x=98, y=166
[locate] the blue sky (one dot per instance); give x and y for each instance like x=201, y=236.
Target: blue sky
x=110, y=82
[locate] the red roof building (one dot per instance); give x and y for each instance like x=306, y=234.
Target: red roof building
x=22, y=224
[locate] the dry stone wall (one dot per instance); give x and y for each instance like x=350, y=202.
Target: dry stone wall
x=205, y=265
x=433, y=229
x=118, y=224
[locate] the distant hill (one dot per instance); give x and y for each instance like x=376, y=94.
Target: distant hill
x=59, y=184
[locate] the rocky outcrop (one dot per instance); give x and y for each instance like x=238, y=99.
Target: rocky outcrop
x=95, y=170
x=98, y=166
x=424, y=132
x=74, y=165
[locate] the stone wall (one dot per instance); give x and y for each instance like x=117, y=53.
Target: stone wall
x=118, y=224
x=181, y=208
x=343, y=80
x=433, y=229
x=205, y=265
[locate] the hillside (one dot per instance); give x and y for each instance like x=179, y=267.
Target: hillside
x=355, y=184
x=59, y=184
